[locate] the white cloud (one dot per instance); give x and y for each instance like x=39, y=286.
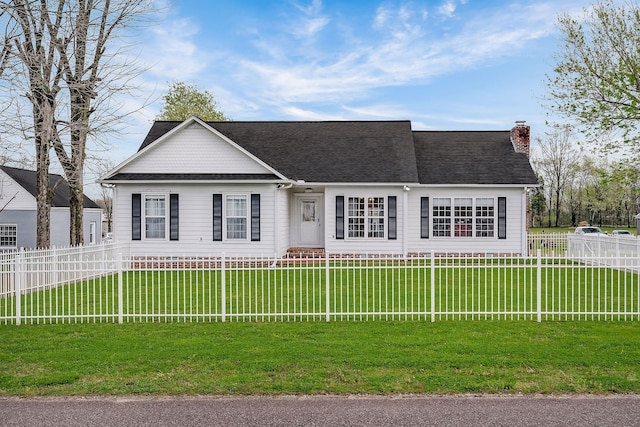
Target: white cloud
x=404, y=51
x=302, y=114
x=175, y=52
x=447, y=8
x=313, y=21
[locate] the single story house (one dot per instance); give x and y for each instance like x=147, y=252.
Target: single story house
x=18, y=220
x=251, y=188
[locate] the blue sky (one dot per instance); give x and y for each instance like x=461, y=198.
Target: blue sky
x=443, y=64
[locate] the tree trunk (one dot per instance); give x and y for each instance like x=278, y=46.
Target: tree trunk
x=43, y=121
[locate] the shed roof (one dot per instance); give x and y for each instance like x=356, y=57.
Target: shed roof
x=27, y=179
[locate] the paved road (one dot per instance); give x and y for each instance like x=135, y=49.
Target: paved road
x=327, y=411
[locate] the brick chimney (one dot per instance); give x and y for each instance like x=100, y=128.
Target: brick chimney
x=521, y=137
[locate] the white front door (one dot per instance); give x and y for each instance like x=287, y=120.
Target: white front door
x=310, y=220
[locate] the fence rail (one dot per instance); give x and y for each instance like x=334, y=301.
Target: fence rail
x=556, y=281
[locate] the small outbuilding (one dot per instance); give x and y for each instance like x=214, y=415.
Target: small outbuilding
x=18, y=213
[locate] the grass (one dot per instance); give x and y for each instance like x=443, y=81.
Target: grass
x=318, y=358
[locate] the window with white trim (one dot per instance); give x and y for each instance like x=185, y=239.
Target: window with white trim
x=155, y=216
x=366, y=217
x=92, y=232
x=8, y=236
x=463, y=217
x=236, y=216
x=441, y=217
x=485, y=214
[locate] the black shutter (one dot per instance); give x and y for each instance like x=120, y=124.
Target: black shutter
x=424, y=217
x=173, y=217
x=136, y=216
x=217, y=217
x=340, y=217
x=393, y=218
x=502, y=217
x=255, y=217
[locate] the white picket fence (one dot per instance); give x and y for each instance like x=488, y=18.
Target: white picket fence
x=104, y=283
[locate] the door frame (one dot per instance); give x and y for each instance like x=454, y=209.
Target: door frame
x=297, y=218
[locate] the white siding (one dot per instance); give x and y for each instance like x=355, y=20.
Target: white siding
x=284, y=231
x=13, y=196
x=196, y=220
x=371, y=246
x=194, y=150
x=515, y=222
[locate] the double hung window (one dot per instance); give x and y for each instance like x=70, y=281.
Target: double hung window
x=366, y=217
x=8, y=236
x=155, y=216
x=237, y=217
x=442, y=217
x=485, y=214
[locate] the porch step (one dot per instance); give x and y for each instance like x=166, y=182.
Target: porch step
x=305, y=253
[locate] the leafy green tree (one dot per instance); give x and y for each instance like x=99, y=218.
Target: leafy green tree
x=183, y=101
x=596, y=81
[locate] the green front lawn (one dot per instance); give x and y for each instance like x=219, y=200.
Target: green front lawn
x=318, y=358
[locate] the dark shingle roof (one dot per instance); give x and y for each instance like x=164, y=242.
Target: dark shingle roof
x=57, y=184
x=470, y=157
x=369, y=152
x=360, y=151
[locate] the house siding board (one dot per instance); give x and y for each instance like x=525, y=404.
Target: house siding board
x=194, y=150
x=13, y=196
x=284, y=231
x=25, y=221
x=89, y=216
x=196, y=220
x=515, y=224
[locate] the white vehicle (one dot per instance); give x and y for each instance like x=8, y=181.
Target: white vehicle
x=622, y=233
x=588, y=230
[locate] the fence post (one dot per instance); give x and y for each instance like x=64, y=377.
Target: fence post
x=539, y=288
x=18, y=285
x=120, y=296
x=327, y=286
x=433, y=286
x=223, y=272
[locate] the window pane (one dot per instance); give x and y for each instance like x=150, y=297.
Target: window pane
x=355, y=206
x=236, y=228
x=236, y=205
x=155, y=228
x=376, y=227
x=356, y=227
x=154, y=205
